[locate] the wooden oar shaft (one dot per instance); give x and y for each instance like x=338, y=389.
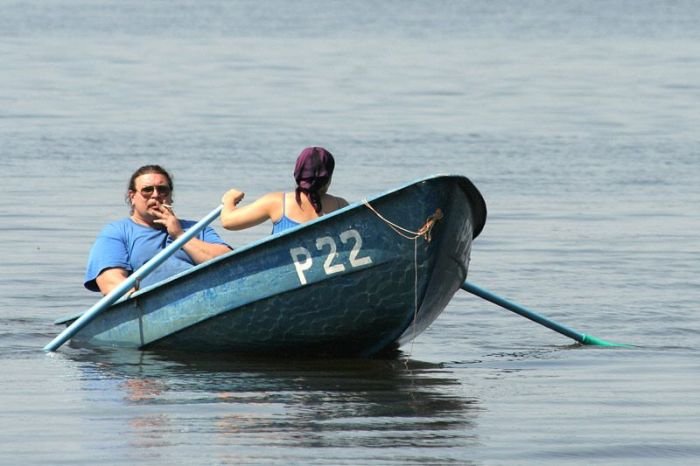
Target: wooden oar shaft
x=535, y=317
x=129, y=283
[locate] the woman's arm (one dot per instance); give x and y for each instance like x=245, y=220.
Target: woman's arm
x=239, y=218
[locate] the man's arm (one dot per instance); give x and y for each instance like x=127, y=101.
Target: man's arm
x=109, y=279
x=201, y=251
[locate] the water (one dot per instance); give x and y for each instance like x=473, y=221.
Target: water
x=577, y=121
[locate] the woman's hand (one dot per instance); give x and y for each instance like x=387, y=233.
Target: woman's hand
x=232, y=197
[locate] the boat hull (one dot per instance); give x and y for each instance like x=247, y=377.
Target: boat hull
x=350, y=283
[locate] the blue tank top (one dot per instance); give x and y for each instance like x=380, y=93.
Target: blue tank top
x=284, y=223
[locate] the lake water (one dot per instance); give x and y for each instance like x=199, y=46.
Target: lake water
x=578, y=121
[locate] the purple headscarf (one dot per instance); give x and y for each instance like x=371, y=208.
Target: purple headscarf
x=312, y=172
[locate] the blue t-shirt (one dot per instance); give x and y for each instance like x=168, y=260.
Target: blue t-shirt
x=128, y=245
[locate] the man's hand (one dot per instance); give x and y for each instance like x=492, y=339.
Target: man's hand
x=164, y=215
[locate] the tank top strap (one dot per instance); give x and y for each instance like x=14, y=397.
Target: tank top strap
x=284, y=222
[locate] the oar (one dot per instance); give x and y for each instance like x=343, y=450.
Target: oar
x=129, y=283
x=540, y=319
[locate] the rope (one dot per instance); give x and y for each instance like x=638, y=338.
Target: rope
x=424, y=231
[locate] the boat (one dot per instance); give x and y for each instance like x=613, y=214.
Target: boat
x=362, y=280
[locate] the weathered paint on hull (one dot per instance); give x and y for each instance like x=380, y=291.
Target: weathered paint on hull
x=290, y=293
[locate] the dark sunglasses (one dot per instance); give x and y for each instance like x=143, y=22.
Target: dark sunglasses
x=148, y=190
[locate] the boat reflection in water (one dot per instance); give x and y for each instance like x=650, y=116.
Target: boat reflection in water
x=257, y=403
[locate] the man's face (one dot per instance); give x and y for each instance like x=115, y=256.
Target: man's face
x=152, y=190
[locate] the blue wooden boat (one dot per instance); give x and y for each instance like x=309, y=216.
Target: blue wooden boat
x=362, y=280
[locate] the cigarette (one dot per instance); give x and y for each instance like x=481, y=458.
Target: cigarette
x=167, y=206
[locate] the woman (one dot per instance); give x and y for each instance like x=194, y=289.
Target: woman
x=310, y=199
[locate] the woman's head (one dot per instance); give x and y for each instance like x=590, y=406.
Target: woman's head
x=313, y=172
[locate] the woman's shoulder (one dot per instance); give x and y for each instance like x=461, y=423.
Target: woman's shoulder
x=335, y=202
x=341, y=201
x=270, y=203
x=273, y=196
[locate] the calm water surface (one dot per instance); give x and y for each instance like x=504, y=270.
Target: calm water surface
x=577, y=121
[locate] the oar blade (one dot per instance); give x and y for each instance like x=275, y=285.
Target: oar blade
x=591, y=340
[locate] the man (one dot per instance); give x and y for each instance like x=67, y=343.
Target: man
x=125, y=245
